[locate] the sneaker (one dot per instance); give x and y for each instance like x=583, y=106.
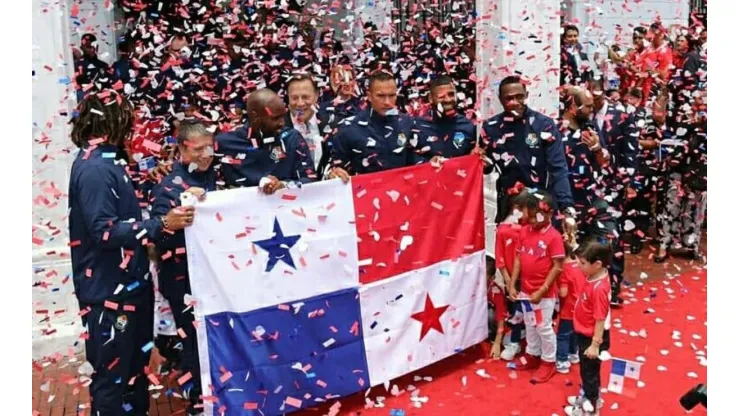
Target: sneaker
x=578, y=401
x=573, y=359
x=575, y=411
x=544, y=373
x=529, y=362
x=192, y=411
x=562, y=367
x=510, y=351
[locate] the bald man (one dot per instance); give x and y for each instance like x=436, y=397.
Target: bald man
x=264, y=152
x=586, y=151
x=590, y=172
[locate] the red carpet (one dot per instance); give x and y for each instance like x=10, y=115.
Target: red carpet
x=674, y=301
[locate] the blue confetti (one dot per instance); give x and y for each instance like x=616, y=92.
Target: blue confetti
x=149, y=345
x=109, y=155
x=511, y=366
x=127, y=407
x=310, y=375
x=444, y=272
x=397, y=412
x=132, y=286
x=65, y=81
x=399, y=296
x=373, y=325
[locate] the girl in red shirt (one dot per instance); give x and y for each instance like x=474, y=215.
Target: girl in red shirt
x=507, y=240
x=539, y=261
x=570, y=282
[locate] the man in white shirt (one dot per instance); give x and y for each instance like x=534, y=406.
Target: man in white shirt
x=303, y=95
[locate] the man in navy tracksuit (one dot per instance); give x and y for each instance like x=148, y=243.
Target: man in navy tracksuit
x=90, y=69
x=376, y=139
x=586, y=155
x=448, y=133
x=263, y=152
x=108, y=240
x=622, y=134
x=192, y=173
x=525, y=148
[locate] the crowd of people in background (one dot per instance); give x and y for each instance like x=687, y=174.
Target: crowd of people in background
x=238, y=96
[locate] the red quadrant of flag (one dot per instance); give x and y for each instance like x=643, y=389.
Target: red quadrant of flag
x=414, y=217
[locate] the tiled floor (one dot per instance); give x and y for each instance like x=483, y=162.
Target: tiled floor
x=57, y=391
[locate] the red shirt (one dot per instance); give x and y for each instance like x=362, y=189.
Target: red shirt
x=658, y=59
x=507, y=241
x=536, y=250
x=592, y=305
x=573, y=278
x=496, y=298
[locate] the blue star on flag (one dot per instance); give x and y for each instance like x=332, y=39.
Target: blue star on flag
x=278, y=247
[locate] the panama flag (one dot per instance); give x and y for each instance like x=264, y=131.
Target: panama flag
x=326, y=290
x=624, y=376
x=532, y=312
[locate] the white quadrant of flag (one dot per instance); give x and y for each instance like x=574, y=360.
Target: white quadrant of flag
x=402, y=316
x=320, y=242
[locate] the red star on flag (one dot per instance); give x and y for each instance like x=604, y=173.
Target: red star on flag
x=429, y=317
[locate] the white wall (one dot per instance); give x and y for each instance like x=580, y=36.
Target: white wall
x=51, y=272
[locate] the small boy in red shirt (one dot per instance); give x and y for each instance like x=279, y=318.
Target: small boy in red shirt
x=539, y=263
x=496, y=307
x=507, y=242
x=592, y=321
x=570, y=282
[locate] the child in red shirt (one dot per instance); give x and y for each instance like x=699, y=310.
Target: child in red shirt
x=496, y=307
x=591, y=319
x=570, y=282
x=539, y=262
x=507, y=241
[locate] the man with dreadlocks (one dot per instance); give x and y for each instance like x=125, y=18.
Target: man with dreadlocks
x=109, y=255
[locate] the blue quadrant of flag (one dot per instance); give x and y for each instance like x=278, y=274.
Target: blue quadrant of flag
x=274, y=353
x=619, y=367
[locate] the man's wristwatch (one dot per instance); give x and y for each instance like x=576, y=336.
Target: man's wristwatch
x=570, y=212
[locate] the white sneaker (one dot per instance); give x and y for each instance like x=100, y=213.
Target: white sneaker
x=578, y=401
x=575, y=411
x=562, y=367
x=510, y=351
x=573, y=359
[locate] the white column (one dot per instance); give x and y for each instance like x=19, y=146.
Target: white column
x=53, y=100
x=519, y=37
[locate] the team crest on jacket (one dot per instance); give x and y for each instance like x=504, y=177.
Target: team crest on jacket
x=121, y=323
x=531, y=140
x=276, y=153
x=458, y=139
x=401, y=139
